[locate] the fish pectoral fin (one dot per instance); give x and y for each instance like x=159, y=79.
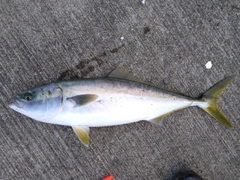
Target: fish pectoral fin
x=82, y=133
x=82, y=99
x=157, y=120
x=122, y=73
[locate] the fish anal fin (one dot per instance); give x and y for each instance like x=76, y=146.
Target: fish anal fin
x=122, y=73
x=82, y=133
x=157, y=120
x=82, y=99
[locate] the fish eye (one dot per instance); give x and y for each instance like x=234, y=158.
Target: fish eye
x=28, y=96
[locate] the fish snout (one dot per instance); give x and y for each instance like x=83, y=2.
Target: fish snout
x=12, y=103
x=15, y=104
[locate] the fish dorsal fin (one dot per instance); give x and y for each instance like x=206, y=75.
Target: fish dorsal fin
x=82, y=99
x=82, y=133
x=122, y=73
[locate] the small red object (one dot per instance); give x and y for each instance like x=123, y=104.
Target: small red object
x=110, y=177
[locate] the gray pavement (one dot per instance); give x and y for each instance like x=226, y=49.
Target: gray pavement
x=166, y=43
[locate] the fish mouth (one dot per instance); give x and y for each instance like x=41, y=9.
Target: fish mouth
x=15, y=104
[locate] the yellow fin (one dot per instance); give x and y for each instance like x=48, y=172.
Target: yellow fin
x=82, y=133
x=122, y=73
x=211, y=96
x=157, y=120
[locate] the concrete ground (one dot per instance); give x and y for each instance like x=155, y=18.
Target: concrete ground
x=166, y=43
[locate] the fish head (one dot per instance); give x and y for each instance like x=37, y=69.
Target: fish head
x=41, y=103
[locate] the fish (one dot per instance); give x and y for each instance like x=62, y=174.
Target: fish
x=116, y=99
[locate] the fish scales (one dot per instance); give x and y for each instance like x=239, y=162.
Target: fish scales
x=115, y=85
x=119, y=102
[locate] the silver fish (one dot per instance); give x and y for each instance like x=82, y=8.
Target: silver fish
x=113, y=100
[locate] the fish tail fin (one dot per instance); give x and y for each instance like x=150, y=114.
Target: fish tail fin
x=211, y=97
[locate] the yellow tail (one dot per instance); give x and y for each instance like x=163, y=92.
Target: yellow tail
x=211, y=96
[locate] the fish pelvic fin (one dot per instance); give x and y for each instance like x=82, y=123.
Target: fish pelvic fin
x=82, y=133
x=211, y=97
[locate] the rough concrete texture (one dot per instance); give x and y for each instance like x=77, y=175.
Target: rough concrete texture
x=164, y=42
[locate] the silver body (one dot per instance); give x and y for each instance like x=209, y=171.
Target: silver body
x=119, y=102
